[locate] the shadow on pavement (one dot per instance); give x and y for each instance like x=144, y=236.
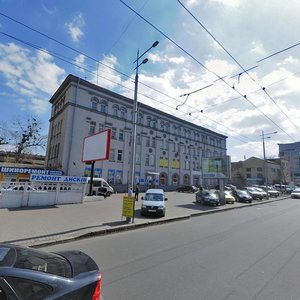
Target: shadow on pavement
x=198, y=206
x=32, y=208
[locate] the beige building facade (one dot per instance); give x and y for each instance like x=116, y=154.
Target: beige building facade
x=253, y=171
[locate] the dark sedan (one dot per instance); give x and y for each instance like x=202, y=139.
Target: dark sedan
x=242, y=196
x=207, y=197
x=29, y=274
x=187, y=189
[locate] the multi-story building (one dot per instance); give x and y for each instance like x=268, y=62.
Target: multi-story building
x=169, y=150
x=291, y=153
x=251, y=171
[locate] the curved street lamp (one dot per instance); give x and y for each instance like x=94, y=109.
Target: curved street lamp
x=135, y=110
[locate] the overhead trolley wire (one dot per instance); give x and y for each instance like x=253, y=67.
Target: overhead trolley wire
x=233, y=58
x=206, y=68
x=69, y=61
x=278, y=52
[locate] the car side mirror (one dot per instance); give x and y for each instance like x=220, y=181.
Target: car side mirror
x=166, y=199
x=142, y=198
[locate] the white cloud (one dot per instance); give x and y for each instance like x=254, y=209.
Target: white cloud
x=289, y=60
x=75, y=27
x=32, y=75
x=107, y=76
x=80, y=61
x=231, y=3
x=257, y=48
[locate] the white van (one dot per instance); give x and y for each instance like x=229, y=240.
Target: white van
x=154, y=203
x=99, y=188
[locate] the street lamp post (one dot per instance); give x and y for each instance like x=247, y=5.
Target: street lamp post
x=263, y=135
x=135, y=110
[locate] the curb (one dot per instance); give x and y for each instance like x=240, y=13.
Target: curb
x=87, y=232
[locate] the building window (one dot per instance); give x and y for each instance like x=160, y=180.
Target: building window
x=147, y=160
x=154, y=123
x=123, y=113
x=103, y=106
x=101, y=127
x=175, y=179
x=114, y=133
x=115, y=110
x=259, y=175
x=94, y=105
x=163, y=179
x=259, y=169
x=187, y=164
x=112, y=154
x=248, y=175
x=140, y=119
x=92, y=127
x=120, y=156
x=121, y=134
x=151, y=160
x=153, y=143
x=138, y=139
x=248, y=169
x=149, y=121
x=167, y=127
x=186, y=179
x=147, y=141
x=138, y=158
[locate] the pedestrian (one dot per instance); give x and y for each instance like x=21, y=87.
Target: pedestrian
x=136, y=194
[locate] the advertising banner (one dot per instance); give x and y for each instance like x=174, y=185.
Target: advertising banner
x=216, y=167
x=58, y=179
x=128, y=207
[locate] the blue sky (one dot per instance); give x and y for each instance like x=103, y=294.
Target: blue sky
x=102, y=38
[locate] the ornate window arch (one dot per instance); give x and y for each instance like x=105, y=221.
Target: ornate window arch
x=175, y=179
x=115, y=109
x=163, y=179
x=167, y=127
x=149, y=121
x=94, y=103
x=123, y=113
x=140, y=118
x=186, y=179
x=103, y=106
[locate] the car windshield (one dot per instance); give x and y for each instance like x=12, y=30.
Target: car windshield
x=24, y=258
x=243, y=193
x=153, y=197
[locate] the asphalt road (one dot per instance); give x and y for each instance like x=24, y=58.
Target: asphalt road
x=251, y=253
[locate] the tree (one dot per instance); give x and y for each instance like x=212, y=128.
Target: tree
x=4, y=139
x=26, y=136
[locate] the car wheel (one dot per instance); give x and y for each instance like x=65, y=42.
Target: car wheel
x=108, y=194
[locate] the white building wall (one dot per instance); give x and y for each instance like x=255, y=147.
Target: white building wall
x=77, y=114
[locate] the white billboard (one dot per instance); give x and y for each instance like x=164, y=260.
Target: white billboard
x=96, y=146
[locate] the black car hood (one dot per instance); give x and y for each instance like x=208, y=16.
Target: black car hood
x=79, y=261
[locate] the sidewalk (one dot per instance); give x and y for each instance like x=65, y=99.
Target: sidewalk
x=96, y=216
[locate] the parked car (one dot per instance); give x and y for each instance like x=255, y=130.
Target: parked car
x=295, y=193
x=242, y=196
x=254, y=193
x=26, y=273
x=271, y=191
x=229, y=198
x=207, y=197
x=187, y=189
x=283, y=188
x=262, y=192
x=99, y=187
x=153, y=203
